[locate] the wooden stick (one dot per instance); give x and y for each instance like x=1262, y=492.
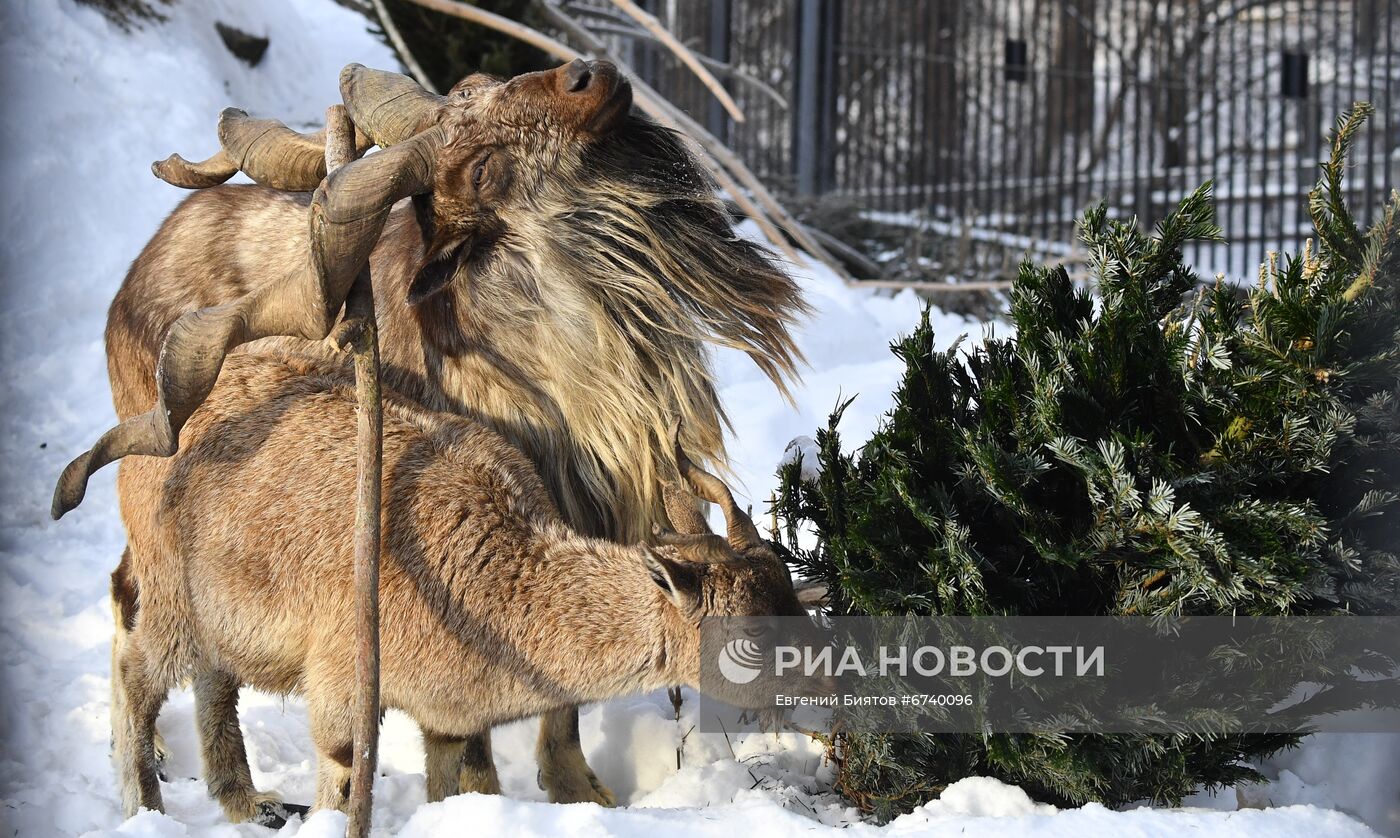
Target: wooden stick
x=357, y=330
x=661, y=33
x=719, y=68
x=369, y=442
x=401, y=47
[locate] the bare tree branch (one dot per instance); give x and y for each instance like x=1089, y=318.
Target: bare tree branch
x=718, y=67
x=686, y=57
x=597, y=12
x=401, y=47
x=937, y=287
x=490, y=20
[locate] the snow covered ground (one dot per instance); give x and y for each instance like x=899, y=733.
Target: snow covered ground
x=86, y=108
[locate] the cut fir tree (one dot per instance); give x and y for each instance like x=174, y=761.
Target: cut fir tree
x=1172, y=450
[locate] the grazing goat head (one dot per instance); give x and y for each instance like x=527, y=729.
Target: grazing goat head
x=738, y=573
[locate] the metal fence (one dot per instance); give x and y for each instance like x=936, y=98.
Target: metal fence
x=1001, y=120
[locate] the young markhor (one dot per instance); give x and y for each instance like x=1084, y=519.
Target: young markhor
x=492, y=608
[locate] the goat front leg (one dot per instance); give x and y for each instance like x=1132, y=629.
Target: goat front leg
x=332, y=734
x=564, y=773
x=459, y=764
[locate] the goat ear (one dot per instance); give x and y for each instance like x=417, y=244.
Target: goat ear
x=680, y=581
x=439, y=262
x=436, y=271
x=425, y=213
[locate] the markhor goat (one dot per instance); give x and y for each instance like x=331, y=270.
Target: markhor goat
x=555, y=277
x=493, y=609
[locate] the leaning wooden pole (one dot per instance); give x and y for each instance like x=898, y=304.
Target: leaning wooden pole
x=358, y=332
x=369, y=440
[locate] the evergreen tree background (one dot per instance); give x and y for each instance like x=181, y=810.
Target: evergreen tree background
x=1172, y=449
x=449, y=48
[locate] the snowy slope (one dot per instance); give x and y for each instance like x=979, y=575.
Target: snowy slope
x=86, y=108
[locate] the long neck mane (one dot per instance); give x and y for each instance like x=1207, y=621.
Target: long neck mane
x=581, y=337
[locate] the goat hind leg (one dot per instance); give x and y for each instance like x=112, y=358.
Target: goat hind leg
x=125, y=605
x=133, y=732
x=332, y=731
x=226, y=770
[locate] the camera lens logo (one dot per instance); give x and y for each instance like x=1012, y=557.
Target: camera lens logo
x=740, y=660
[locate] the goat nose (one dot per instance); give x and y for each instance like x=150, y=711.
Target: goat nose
x=577, y=76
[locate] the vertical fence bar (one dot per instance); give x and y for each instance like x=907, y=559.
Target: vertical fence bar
x=806, y=120
x=998, y=93
x=926, y=37
x=827, y=94
x=718, y=47
x=1247, y=97
x=1032, y=123
x=1365, y=18
x=1267, y=92
x=1339, y=99
x=885, y=118
x=1077, y=123
x=1390, y=85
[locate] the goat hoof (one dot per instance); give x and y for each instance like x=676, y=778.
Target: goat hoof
x=581, y=786
x=605, y=797
x=162, y=759
x=274, y=814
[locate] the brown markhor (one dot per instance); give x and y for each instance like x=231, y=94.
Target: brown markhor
x=492, y=608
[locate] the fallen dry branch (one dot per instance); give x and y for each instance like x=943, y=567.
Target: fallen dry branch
x=401, y=47
x=936, y=287
x=719, y=68
x=863, y=265
x=662, y=34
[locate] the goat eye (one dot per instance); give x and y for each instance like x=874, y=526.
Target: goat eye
x=478, y=174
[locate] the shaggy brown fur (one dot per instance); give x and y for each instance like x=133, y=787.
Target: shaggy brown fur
x=564, y=282
x=492, y=608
